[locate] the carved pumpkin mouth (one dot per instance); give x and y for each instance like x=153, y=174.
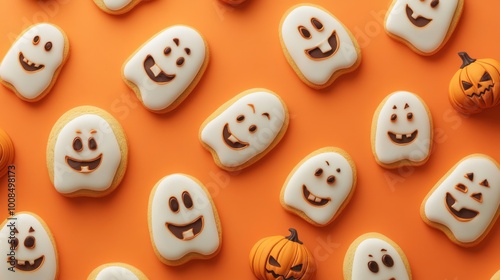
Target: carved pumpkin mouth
x=402, y=139
x=188, y=231
x=464, y=214
x=419, y=21
x=231, y=140
x=317, y=53
x=276, y=276
x=313, y=199
x=29, y=265
x=481, y=93
x=29, y=65
x=84, y=166
x=155, y=73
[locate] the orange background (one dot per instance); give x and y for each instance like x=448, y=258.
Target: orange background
x=246, y=53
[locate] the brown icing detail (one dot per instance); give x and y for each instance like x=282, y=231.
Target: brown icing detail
x=235, y=144
x=383, y=250
x=176, y=41
x=15, y=230
x=173, y=203
x=14, y=243
x=338, y=170
x=394, y=117
x=187, y=200
x=469, y=176
x=402, y=139
x=387, y=260
x=92, y=144
x=317, y=54
x=36, y=40
x=485, y=183
x=240, y=118
x=252, y=128
x=194, y=227
x=477, y=197
x=31, y=229
x=180, y=61
x=29, y=65
x=313, y=199
x=434, y=3
x=407, y=106
x=267, y=115
x=29, y=242
x=187, y=50
x=327, y=163
x=317, y=24
x=420, y=21
x=84, y=166
x=464, y=215
x=373, y=266
x=461, y=187
x=331, y=179
x=252, y=106
x=162, y=77
x=26, y=266
x=48, y=46
x=77, y=144
x=409, y=116
x=167, y=50
x=304, y=32
x=394, y=107
x=318, y=172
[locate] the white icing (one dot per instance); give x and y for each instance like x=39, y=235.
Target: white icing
x=429, y=37
x=373, y=247
x=155, y=95
x=318, y=188
x=386, y=150
x=169, y=246
x=116, y=5
x=30, y=84
x=44, y=247
x=436, y=209
x=87, y=126
x=258, y=141
x=317, y=71
x=116, y=273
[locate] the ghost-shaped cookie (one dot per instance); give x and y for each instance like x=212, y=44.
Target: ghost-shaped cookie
x=465, y=203
x=183, y=221
x=166, y=68
x=317, y=45
x=28, y=248
x=116, y=271
x=245, y=128
x=320, y=186
x=116, y=6
x=423, y=25
x=32, y=64
x=402, y=131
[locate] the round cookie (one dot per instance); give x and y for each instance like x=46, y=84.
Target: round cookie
x=317, y=45
x=29, y=247
x=402, y=131
x=320, y=186
x=116, y=271
x=423, y=25
x=116, y=7
x=32, y=64
x=465, y=202
x=165, y=70
x=183, y=220
x=6, y=152
x=374, y=256
x=87, y=153
x=245, y=128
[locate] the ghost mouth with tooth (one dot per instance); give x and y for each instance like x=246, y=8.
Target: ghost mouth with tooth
x=418, y=21
x=84, y=166
x=29, y=265
x=464, y=214
x=29, y=65
x=402, y=139
x=188, y=231
x=231, y=140
x=155, y=73
x=325, y=49
x=313, y=199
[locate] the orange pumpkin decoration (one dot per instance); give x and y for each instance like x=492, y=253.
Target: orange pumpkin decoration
x=475, y=87
x=283, y=258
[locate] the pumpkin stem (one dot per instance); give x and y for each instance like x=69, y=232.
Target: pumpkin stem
x=466, y=59
x=293, y=236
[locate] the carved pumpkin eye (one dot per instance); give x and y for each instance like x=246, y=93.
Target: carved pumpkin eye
x=92, y=144
x=387, y=260
x=29, y=242
x=304, y=32
x=466, y=85
x=173, y=203
x=461, y=187
x=77, y=144
x=274, y=262
x=188, y=201
x=317, y=24
x=373, y=266
x=48, y=46
x=486, y=77
x=477, y=197
x=297, y=268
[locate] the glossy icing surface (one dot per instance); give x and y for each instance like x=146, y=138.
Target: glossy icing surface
x=115, y=5
x=116, y=273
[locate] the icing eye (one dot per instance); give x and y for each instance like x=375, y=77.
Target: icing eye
x=387, y=260
x=167, y=50
x=252, y=128
x=409, y=116
x=461, y=187
x=486, y=77
x=77, y=144
x=317, y=24
x=331, y=179
x=434, y=3
x=318, y=172
x=338, y=170
x=173, y=203
x=477, y=197
x=274, y=262
x=373, y=266
x=297, y=268
x=92, y=143
x=180, y=61
x=176, y=41
x=394, y=117
x=31, y=229
x=304, y=32
x=14, y=243
x=485, y=183
x=406, y=105
x=240, y=118
x=29, y=242
x=188, y=51
x=36, y=40
x=466, y=85
x=188, y=201
x=469, y=176
x=48, y=46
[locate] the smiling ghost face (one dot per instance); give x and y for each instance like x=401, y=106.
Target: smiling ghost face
x=318, y=43
x=32, y=252
x=183, y=219
x=467, y=201
x=166, y=66
x=403, y=130
x=31, y=63
x=86, y=155
x=422, y=23
x=320, y=186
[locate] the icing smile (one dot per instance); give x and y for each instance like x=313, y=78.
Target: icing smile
x=464, y=214
x=402, y=139
x=28, y=65
x=186, y=232
x=231, y=140
x=419, y=21
x=31, y=265
x=155, y=73
x=312, y=199
x=325, y=49
x=84, y=166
